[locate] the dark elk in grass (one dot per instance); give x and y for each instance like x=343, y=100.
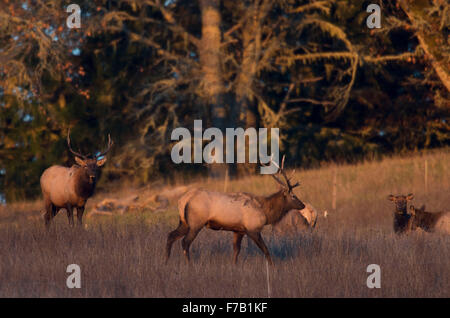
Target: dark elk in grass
x=401, y=216
x=70, y=188
x=242, y=213
x=430, y=221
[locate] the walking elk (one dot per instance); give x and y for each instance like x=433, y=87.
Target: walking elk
x=70, y=188
x=242, y=213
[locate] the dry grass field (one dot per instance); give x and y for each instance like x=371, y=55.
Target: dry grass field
x=122, y=255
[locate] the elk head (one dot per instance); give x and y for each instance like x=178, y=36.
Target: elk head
x=401, y=202
x=418, y=214
x=291, y=200
x=90, y=164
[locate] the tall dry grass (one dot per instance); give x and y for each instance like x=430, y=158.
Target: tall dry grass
x=122, y=256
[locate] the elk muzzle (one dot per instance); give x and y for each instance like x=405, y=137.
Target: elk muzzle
x=92, y=179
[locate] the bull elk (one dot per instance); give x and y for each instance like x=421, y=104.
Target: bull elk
x=401, y=216
x=428, y=221
x=242, y=213
x=70, y=188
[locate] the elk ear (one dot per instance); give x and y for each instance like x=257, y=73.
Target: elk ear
x=410, y=197
x=80, y=161
x=391, y=198
x=101, y=162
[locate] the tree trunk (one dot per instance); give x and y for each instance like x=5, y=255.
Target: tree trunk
x=251, y=42
x=212, y=81
x=244, y=97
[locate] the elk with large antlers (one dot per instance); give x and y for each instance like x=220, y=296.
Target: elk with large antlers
x=70, y=188
x=242, y=213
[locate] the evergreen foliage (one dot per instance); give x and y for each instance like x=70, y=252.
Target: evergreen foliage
x=138, y=69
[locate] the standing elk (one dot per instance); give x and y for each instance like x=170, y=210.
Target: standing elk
x=242, y=213
x=70, y=188
x=428, y=221
x=401, y=216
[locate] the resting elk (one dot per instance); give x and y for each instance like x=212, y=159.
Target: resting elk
x=296, y=220
x=429, y=221
x=401, y=217
x=70, y=188
x=242, y=213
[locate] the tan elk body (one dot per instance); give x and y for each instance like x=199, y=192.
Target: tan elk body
x=62, y=186
x=242, y=213
x=70, y=188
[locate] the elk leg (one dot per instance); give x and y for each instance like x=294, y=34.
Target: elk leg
x=49, y=207
x=237, y=240
x=176, y=234
x=70, y=214
x=55, y=211
x=256, y=237
x=187, y=240
x=80, y=212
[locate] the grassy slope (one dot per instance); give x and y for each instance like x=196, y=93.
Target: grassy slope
x=123, y=255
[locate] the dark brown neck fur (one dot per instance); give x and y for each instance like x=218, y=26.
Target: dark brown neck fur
x=83, y=188
x=274, y=206
x=401, y=222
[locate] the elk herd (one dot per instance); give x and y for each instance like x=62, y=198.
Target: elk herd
x=417, y=219
x=241, y=213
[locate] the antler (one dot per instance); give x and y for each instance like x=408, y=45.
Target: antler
x=70, y=148
x=283, y=173
x=110, y=143
x=274, y=175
